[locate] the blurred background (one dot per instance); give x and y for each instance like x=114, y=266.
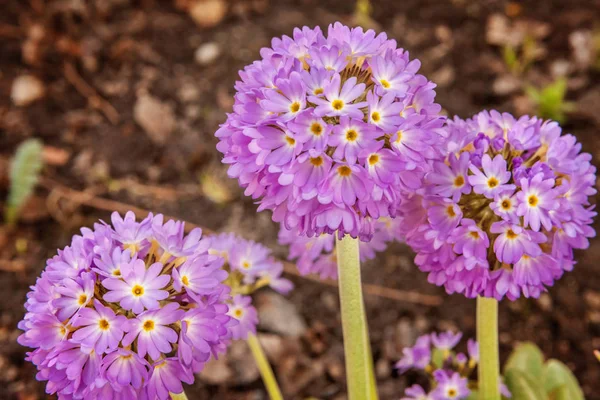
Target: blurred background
x=125, y=97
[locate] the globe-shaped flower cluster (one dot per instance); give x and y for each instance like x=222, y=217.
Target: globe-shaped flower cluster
x=128, y=311
x=316, y=255
x=502, y=214
x=251, y=267
x=326, y=130
x=450, y=372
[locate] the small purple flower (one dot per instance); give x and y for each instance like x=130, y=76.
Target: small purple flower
x=514, y=241
x=470, y=240
x=493, y=179
x=288, y=99
x=101, y=329
x=139, y=289
x=339, y=99
x=446, y=341
x=451, y=180
x=242, y=310
x=450, y=386
x=345, y=185
x=75, y=295
x=124, y=367
x=384, y=112
x=166, y=377
x=351, y=137
x=536, y=200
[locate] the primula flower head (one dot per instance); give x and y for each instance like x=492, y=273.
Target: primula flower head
x=251, y=267
x=501, y=214
x=327, y=128
x=111, y=313
x=451, y=374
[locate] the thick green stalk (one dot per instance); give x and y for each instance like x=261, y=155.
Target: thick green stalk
x=265, y=368
x=180, y=396
x=356, y=339
x=489, y=360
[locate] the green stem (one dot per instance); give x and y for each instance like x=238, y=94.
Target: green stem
x=356, y=339
x=265, y=368
x=180, y=396
x=489, y=360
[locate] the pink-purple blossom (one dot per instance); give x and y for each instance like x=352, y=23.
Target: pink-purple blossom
x=501, y=212
x=328, y=128
x=129, y=310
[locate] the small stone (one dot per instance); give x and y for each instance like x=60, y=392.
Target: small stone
x=382, y=369
x=545, y=302
x=582, y=43
x=208, y=13
x=26, y=89
x=155, y=117
x=207, y=53
x=216, y=371
x=506, y=84
x=277, y=314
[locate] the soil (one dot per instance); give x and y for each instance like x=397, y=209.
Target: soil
x=129, y=115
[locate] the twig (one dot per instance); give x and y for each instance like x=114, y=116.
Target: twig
x=87, y=91
x=90, y=200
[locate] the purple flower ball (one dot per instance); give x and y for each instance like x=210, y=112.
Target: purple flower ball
x=128, y=310
x=501, y=220
x=326, y=130
x=251, y=267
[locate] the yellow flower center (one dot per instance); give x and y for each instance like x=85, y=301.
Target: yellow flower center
x=238, y=313
x=337, y=104
x=505, y=204
x=295, y=107
x=385, y=83
x=103, y=324
x=318, y=91
x=82, y=299
x=291, y=141
x=474, y=235
x=137, y=290
x=148, y=325
x=185, y=280
x=452, y=392
x=317, y=161
x=533, y=200
x=316, y=129
x=245, y=265
x=459, y=181
x=375, y=116
x=450, y=211
x=398, y=136
x=344, y=170
x=511, y=234
x=116, y=272
x=351, y=135
x=492, y=182
x=373, y=159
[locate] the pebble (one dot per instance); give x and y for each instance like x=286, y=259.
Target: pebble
x=26, y=89
x=277, y=314
x=155, y=117
x=506, y=84
x=208, y=13
x=207, y=53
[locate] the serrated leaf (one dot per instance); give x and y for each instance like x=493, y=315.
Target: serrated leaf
x=523, y=386
x=527, y=357
x=557, y=376
x=24, y=173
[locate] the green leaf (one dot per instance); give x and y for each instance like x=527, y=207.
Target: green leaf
x=558, y=378
x=527, y=357
x=437, y=358
x=24, y=173
x=523, y=386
